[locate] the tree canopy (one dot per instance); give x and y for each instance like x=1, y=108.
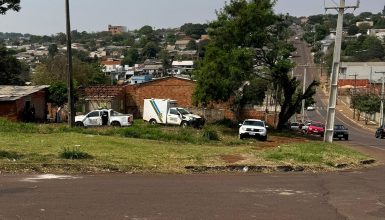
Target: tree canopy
x=12, y=71
x=7, y=5
x=53, y=71
x=248, y=52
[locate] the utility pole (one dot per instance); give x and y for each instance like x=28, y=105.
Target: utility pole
x=303, y=92
x=354, y=93
x=335, y=70
x=382, y=99
x=70, y=87
x=305, y=66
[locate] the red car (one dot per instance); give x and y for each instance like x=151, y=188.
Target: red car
x=315, y=128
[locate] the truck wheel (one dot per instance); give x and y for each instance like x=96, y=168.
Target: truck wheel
x=115, y=124
x=184, y=124
x=346, y=138
x=152, y=122
x=240, y=136
x=79, y=124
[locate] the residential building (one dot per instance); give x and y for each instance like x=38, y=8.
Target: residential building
x=379, y=33
x=179, y=67
x=363, y=70
x=303, y=19
x=23, y=103
x=117, y=29
x=369, y=23
x=140, y=79
x=181, y=44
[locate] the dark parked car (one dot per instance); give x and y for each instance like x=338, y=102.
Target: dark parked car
x=380, y=133
x=340, y=131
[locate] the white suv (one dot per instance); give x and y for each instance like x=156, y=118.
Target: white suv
x=253, y=128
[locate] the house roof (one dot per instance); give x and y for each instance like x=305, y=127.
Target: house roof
x=153, y=67
x=182, y=42
x=12, y=93
x=110, y=62
x=183, y=63
x=163, y=78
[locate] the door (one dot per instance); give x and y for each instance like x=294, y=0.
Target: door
x=173, y=117
x=93, y=119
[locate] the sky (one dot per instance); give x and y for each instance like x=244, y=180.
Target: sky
x=46, y=17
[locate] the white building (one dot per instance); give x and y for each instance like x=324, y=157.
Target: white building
x=364, y=70
x=179, y=67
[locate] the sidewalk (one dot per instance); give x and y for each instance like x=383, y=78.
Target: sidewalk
x=347, y=112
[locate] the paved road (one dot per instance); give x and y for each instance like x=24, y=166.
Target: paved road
x=360, y=138
x=346, y=195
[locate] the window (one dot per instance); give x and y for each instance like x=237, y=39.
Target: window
x=93, y=114
x=254, y=123
x=183, y=111
x=173, y=112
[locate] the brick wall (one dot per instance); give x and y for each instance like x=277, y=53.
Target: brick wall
x=9, y=110
x=173, y=88
x=104, y=97
x=181, y=90
x=13, y=110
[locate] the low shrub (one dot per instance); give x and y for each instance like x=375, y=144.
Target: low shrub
x=9, y=155
x=210, y=134
x=74, y=154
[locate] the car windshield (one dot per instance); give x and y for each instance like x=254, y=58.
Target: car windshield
x=339, y=127
x=183, y=111
x=254, y=123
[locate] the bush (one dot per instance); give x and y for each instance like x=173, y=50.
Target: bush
x=10, y=155
x=210, y=134
x=74, y=154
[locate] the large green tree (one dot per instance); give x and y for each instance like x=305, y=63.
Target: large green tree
x=248, y=44
x=53, y=71
x=12, y=71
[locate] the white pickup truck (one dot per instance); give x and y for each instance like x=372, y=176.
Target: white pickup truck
x=104, y=117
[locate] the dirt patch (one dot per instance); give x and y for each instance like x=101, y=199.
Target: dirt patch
x=275, y=141
x=232, y=158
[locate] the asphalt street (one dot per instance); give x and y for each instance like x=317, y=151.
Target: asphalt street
x=356, y=194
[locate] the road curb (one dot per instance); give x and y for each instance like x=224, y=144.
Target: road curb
x=269, y=169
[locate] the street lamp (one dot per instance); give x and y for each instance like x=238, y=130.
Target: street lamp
x=71, y=108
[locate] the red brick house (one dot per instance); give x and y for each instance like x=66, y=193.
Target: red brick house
x=175, y=88
x=23, y=103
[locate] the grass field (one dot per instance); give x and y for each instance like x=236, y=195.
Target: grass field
x=143, y=148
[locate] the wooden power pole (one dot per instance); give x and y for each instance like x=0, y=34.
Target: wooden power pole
x=70, y=87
